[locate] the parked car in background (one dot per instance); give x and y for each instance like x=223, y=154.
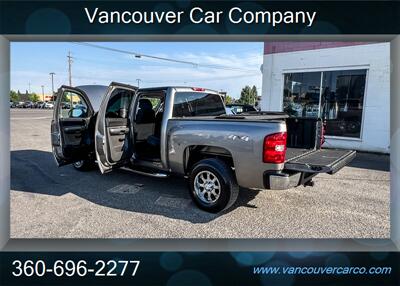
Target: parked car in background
x=19, y=104
x=48, y=105
x=65, y=105
x=27, y=104
x=186, y=131
x=38, y=104
x=12, y=104
x=238, y=108
x=229, y=111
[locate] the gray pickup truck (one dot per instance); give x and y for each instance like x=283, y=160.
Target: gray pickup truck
x=185, y=131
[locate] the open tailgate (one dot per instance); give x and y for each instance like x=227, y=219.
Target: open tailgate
x=321, y=161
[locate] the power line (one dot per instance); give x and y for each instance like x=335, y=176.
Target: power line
x=107, y=63
x=140, y=55
x=175, y=81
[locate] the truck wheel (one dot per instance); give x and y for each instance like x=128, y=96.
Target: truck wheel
x=213, y=185
x=84, y=165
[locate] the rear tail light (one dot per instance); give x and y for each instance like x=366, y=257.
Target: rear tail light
x=275, y=148
x=198, y=89
x=322, y=141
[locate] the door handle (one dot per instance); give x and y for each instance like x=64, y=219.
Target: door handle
x=74, y=129
x=119, y=131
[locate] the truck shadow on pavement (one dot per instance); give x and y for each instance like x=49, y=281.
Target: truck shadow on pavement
x=377, y=162
x=36, y=172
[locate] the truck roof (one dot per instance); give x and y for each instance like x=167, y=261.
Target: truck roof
x=96, y=92
x=180, y=88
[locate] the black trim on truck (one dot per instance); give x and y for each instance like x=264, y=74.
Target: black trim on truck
x=343, y=162
x=285, y=180
x=321, y=161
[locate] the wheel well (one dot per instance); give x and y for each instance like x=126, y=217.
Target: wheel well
x=194, y=154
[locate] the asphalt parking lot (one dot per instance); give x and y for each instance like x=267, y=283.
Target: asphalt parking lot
x=52, y=202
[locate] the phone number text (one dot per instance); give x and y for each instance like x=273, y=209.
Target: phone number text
x=69, y=268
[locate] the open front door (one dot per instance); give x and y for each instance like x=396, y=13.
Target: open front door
x=70, y=138
x=113, y=134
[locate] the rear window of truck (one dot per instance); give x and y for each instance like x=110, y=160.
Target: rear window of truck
x=190, y=104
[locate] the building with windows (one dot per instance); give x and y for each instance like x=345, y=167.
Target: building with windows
x=345, y=83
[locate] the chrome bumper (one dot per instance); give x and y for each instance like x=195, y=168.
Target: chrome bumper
x=282, y=181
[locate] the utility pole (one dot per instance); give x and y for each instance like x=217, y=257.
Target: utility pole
x=69, y=68
x=29, y=88
x=43, y=92
x=223, y=94
x=52, y=85
x=138, y=82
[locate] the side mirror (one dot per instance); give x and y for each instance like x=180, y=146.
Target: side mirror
x=76, y=113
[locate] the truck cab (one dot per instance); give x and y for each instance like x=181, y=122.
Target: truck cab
x=121, y=125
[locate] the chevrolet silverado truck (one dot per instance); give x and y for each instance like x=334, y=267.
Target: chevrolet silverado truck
x=186, y=131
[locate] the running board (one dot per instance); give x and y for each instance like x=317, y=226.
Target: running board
x=155, y=175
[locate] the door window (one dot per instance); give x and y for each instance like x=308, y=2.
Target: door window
x=72, y=106
x=118, y=104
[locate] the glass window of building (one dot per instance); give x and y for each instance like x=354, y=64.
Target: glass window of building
x=301, y=94
x=339, y=101
x=342, y=102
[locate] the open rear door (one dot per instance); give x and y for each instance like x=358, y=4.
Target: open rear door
x=113, y=131
x=321, y=161
x=70, y=134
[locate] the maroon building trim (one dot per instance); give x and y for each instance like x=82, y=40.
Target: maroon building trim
x=285, y=47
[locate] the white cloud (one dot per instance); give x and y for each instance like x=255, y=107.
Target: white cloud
x=156, y=72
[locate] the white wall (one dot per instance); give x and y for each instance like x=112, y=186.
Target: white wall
x=373, y=57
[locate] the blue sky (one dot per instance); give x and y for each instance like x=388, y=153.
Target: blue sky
x=32, y=63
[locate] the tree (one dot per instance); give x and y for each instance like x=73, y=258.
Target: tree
x=248, y=95
x=229, y=100
x=33, y=97
x=14, y=96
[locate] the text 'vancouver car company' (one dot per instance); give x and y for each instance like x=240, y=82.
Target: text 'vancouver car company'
x=197, y=15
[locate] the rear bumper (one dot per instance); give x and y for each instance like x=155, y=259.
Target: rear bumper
x=283, y=181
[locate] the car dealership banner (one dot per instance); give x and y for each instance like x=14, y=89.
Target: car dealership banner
x=199, y=17
x=194, y=268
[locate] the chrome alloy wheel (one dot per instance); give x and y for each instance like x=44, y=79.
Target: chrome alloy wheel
x=207, y=187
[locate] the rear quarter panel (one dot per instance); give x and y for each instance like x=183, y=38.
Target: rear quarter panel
x=244, y=140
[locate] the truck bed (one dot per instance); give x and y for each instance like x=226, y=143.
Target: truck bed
x=256, y=116
x=293, y=153
x=259, y=116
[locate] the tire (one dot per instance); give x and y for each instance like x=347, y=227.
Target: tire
x=84, y=165
x=205, y=178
